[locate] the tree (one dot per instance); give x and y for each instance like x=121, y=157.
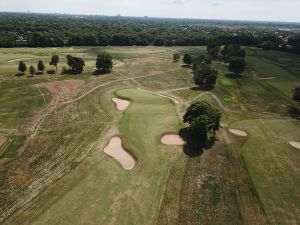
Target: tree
x=32, y=70
x=22, y=67
x=237, y=65
x=76, y=64
x=187, y=59
x=205, y=76
x=41, y=66
x=104, y=62
x=176, y=56
x=202, y=118
x=54, y=61
x=296, y=94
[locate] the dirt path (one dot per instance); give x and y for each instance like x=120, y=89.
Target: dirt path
x=173, y=98
x=42, y=94
x=42, y=118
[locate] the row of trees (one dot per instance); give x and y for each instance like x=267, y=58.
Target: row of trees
x=34, y=30
x=76, y=65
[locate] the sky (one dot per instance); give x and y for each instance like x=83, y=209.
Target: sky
x=261, y=10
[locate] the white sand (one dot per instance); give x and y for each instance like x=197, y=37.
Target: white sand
x=172, y=139
x=238, y=132
x=121, y=104
x=14, y=60
x=295, y=144
x=115, y=150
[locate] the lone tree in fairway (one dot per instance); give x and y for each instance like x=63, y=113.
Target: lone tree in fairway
x=204, y=76
x=202, y=118
x=104, y=62
x=237, y=65
x=187, y=59
x=41, y=66
x=176, y=56
x=54, y=61
x=31, y=70
x=296, y=94
x=76, y=64
x=22, y=67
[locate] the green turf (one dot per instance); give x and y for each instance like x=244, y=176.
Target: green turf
x=109, y=193
x=273, y=166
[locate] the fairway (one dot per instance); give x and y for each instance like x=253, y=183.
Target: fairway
x=103, y=149
x=109, y=189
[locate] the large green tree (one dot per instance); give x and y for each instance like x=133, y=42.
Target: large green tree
x=202, y=118
x=76, y=64
x=205, y=76
x=187, y=59
x=41, y=66
x=104, y=62
x=54, y=61
x=22, y=67
x=237, y=65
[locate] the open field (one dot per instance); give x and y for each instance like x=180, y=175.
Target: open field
x=54, y=128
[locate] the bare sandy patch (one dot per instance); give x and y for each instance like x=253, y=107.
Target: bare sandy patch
x=238, y=132
x=295, y=144
x=62, y=90
x=14, y=60
x=115, y=150
x=118, y=63
x=172, y=139
x=121, y=104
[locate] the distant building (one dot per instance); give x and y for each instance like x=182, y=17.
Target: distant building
x=22, y=41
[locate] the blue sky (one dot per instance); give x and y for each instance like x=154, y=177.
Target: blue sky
x=269, y=10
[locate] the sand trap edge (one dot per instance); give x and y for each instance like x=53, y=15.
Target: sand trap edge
x=294, y=144
x=238, y=132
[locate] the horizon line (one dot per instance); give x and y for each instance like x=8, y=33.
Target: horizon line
x=153, y=17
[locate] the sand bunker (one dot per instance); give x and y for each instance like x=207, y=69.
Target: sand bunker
x=238, y=132
x=121, y=104
x=14, y=60
x=172, y=139
x=295, y=144
x=115, y=150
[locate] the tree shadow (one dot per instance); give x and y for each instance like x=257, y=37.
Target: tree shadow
x=39, y=73
x=186, y=66
x=51, y=72
x=233, y=75
x=101, y=72
x=20, y=74
x=193, y=148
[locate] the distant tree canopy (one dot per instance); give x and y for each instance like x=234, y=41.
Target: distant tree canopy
x=296, y=94
x=104, y=62
x=37, y=30
x=237, y=65
x=76, y=64
x=187, y=59
x=22, y=67
x=54, y=61
x=232, y=50
x=202, y=118
x=204, y=75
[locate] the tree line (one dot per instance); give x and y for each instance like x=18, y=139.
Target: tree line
x=76, y=65
x=37, y=30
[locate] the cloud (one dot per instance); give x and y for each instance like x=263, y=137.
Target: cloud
x=215, y=4
x=180, y=2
